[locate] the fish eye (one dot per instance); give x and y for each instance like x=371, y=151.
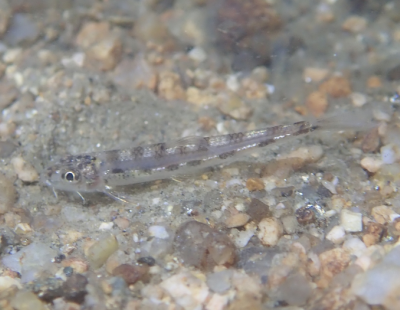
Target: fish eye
x=70, y=176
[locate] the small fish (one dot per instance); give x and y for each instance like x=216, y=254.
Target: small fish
x=102, y=171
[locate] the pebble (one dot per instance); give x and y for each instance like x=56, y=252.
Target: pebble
x=77, y=264
x=22, y=229
x=337, y=234
x=358, y=99
x=317, y=103
x=270, y=231
x=219, y=282
x=104, y=55
x=106, y=226
x=351, y=221
x=74, y=289
x=354, y=246
x=295, y=290
x=237, y=220
x=242, y=237
x=170, y=86
x=371, y=164
x=336, y=87
x=31, y=261
x=217, y=302
x=198, y=54
x=382, y=214
x=233, y=106
x=6, y=282
x=333, y=262
x=308, y=154
x=374, y=82
x=390, y=153
x=136, y=73
x=290, y=224
x=91, y=33
x=131, y=273
x=25, y=171
x=122, y=222
x=371, y=141
x=187, y=290
x=255, y=184
x=258, y=210
x=380, y=285
x=158, y=232
x=354, y=24
x=314, y=74
x=100, y=251
x=25, y=300
x=199, y=245
x=8, y=194
x=22, y=30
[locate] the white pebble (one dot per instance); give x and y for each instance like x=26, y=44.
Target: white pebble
x=6, y=282
x=271, y=230
x=336, y=235
x=158, y=232
x=390, y=153
x=197, y=54
x=351, y=221
x=24, y=170
x=106, y=226
x=354, y=246
x=381, y=116
x=358, y=99
x=371, y=164
x=232, y=83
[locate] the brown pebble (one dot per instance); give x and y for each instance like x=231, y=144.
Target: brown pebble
x=255, y=184
x=131, y=273
x=122, y=222
x=170, y=86
x=369, y=239
x=371, y=141
x=334, y=261
x=91, y=33
x=104, y=55
x=74, y=289
x=374, y=82
x=207, y=123
x=237, y=220
x=257, y=210
x=354, y=24
x=317, y=103
x=337, y=87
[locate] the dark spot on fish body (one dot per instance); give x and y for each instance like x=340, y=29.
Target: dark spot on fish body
x=117, y=170
x=160, y=150
x=172, y=167
x=193, y=163
x=236, y=137
x=266, y=142
x=138, y=152
x=227, y=154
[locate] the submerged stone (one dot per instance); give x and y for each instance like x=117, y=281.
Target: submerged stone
x=204, y=247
